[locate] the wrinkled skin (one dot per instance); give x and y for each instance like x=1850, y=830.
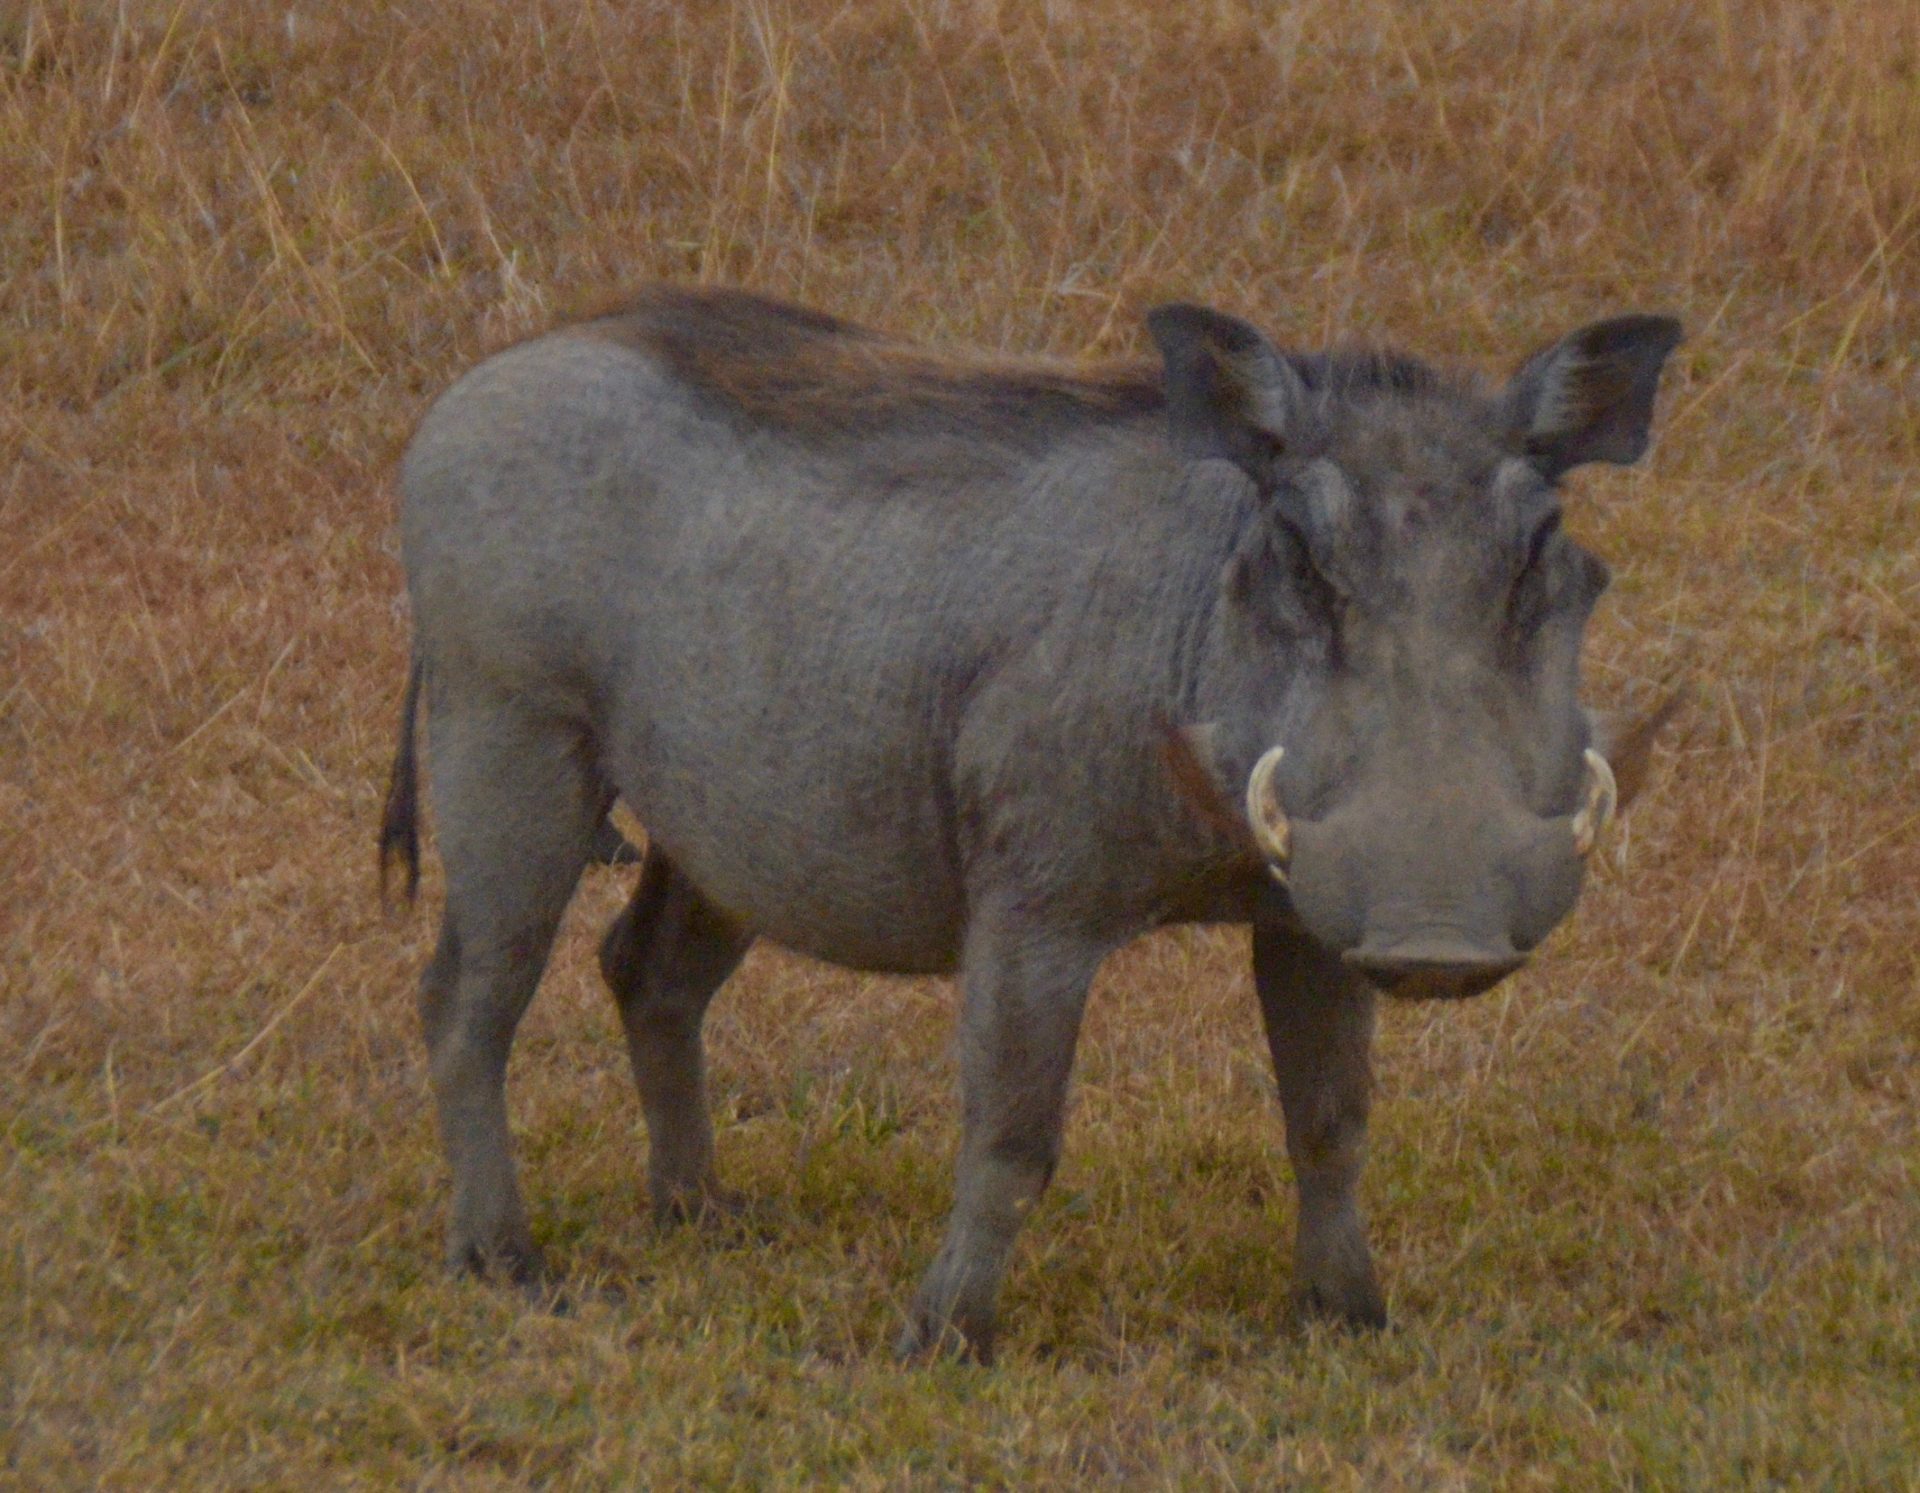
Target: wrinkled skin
x=923, y=665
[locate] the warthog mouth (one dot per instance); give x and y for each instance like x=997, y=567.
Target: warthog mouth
x=1435, y=966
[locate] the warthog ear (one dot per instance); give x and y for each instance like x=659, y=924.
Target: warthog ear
x=1589, y=397
x=1626, y=741
x=1229, y=393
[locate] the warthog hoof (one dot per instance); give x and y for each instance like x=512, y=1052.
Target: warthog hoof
x=1356, y=1304
x=926, y=1340
x=516, y=1260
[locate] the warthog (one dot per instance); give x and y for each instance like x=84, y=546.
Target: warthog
x=919, y=663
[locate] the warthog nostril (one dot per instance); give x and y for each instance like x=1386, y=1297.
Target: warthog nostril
x=1419, y=972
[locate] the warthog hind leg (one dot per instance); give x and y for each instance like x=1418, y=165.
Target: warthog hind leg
x=664, y=957
x=517, y=802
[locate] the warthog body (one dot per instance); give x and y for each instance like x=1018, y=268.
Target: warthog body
x=923, y=664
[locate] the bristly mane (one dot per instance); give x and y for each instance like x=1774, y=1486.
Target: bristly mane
x=826, y=380
x=1356, y=372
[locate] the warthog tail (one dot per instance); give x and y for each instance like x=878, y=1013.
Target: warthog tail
x=400, y=823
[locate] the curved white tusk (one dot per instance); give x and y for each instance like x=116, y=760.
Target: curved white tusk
x=1596, y=808
x=1265, y=816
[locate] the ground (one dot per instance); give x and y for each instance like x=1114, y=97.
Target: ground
x=1646, y=1214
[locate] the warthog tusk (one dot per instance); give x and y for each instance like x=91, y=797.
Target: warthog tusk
x=1596, y=808
x=1268, y=820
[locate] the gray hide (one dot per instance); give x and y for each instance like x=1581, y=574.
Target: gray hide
x=928, y=664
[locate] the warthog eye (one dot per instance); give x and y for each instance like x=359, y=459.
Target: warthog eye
x=1542, y=535
x=1532, y=593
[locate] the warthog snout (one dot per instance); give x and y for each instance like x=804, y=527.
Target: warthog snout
x=1434, y=886
x=1433, y=966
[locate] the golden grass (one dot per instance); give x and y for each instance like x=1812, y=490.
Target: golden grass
x=1647, y=1215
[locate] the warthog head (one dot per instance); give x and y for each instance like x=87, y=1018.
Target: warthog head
x=1397, y=713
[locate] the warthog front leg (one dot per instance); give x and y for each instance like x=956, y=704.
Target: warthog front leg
x=664, y=957
x=1023, y=990
x=1319, y=1020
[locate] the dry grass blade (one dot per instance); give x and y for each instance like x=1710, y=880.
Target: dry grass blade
x=238, y=1060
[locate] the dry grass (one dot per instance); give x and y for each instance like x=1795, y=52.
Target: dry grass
x=1647, y=1215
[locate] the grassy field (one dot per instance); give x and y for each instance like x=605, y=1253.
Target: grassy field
x=1647, y=1215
